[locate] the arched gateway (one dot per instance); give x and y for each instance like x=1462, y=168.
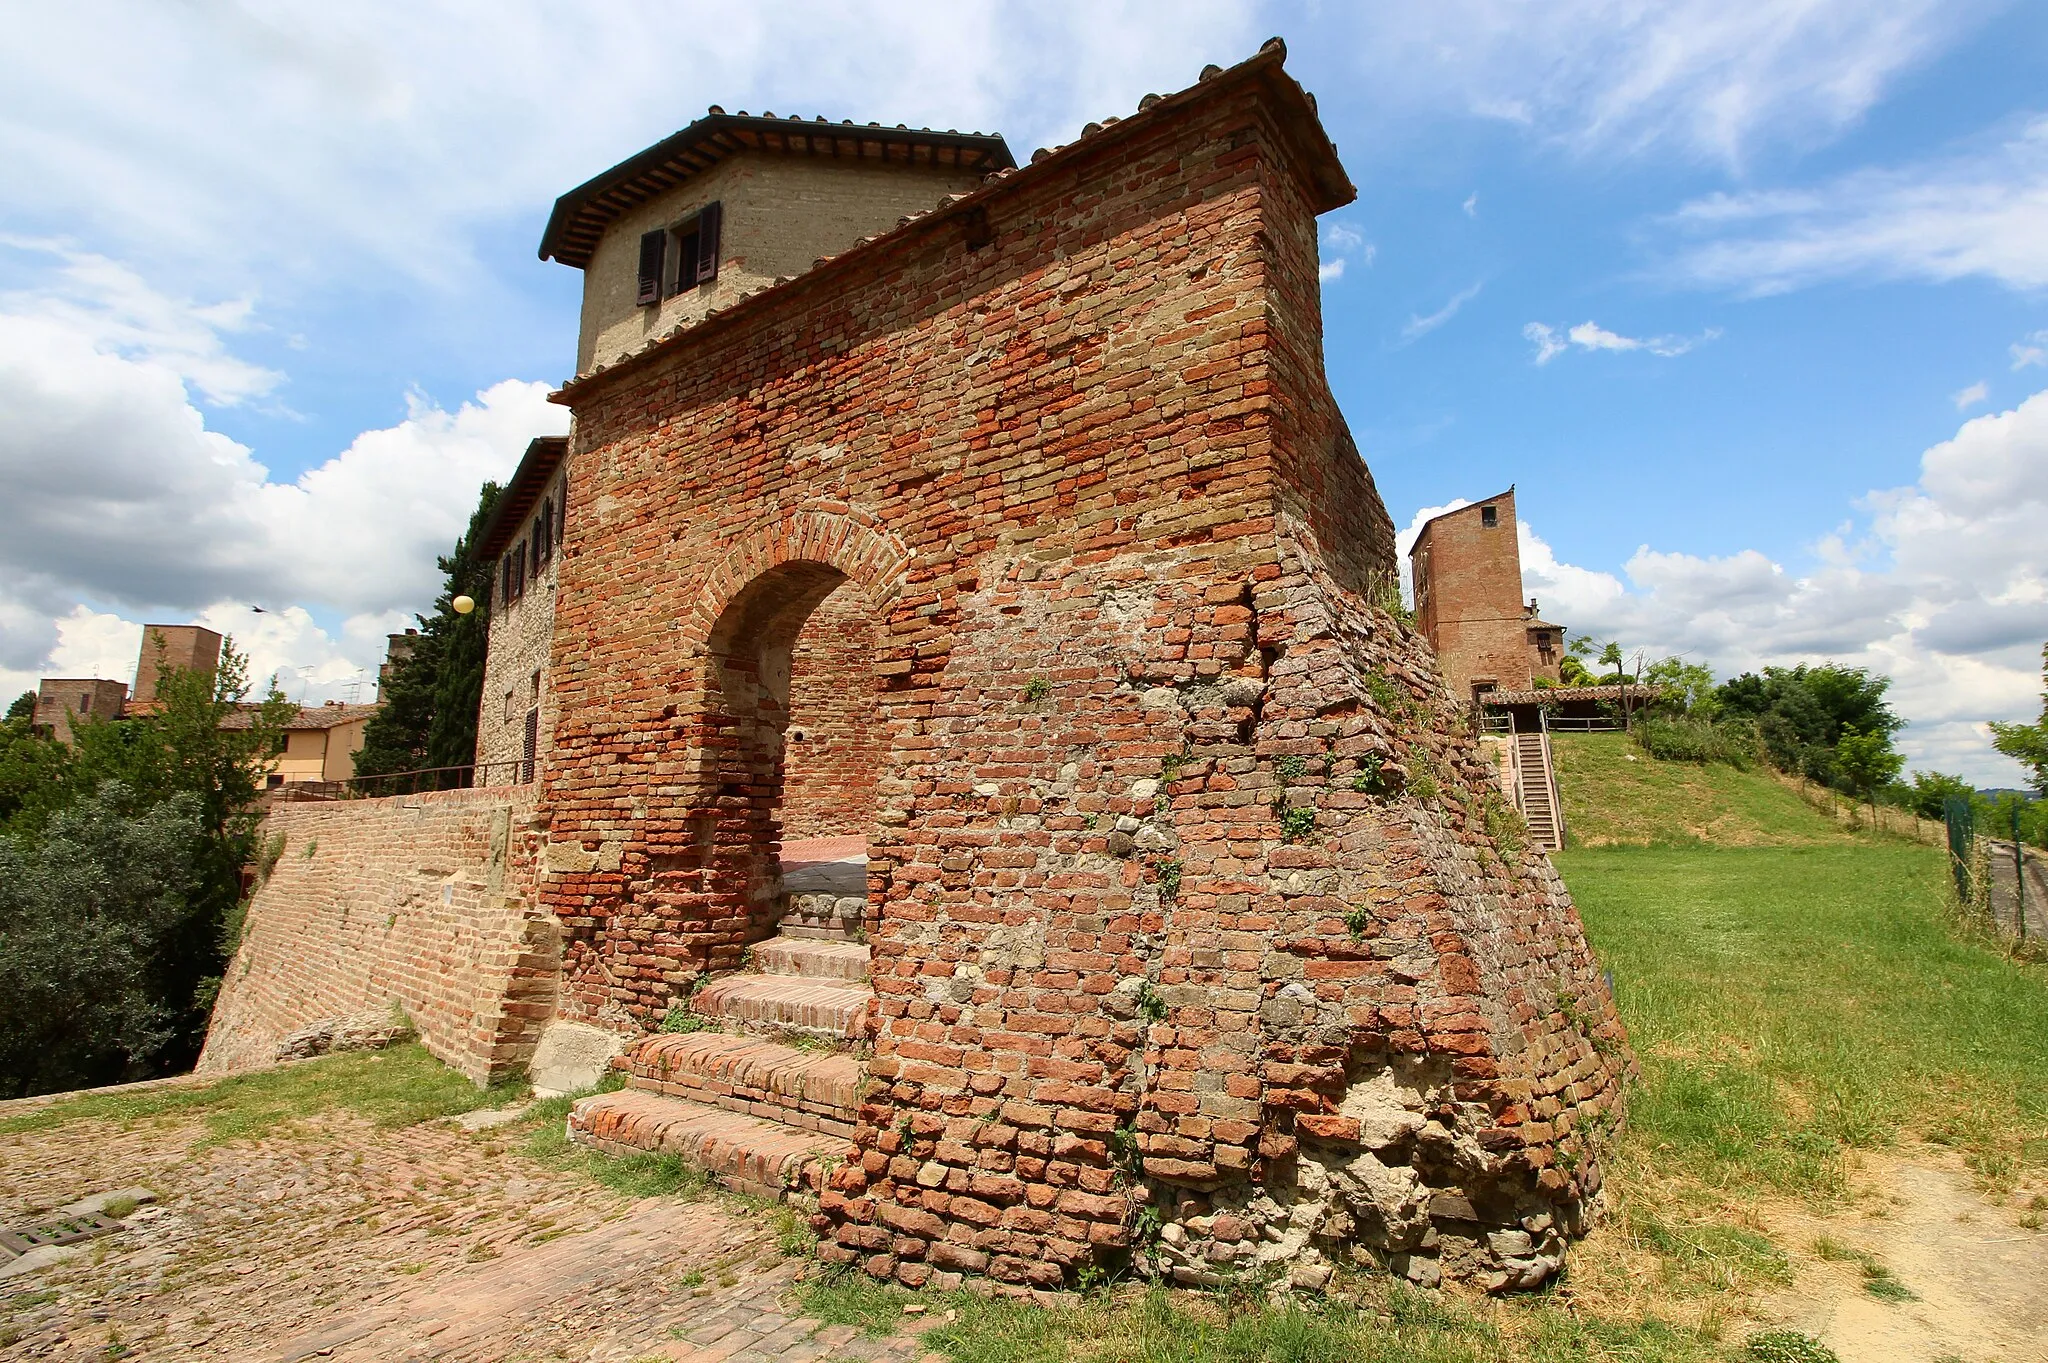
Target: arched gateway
x=1014, y=566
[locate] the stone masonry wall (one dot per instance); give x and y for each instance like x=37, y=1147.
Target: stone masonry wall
x=520, y=633
x=835, y=749
x=1200, y=933
x=419, y=900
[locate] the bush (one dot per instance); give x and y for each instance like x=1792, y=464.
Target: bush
x=1693, y=740
x=91, y=909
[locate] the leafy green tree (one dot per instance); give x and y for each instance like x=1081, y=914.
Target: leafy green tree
x=1687, y=687
x=1931, y=791
x=31, y=764
x=1801, y=713
x=24, y=706
x=430, y=703
x=2027, y=744
x=92, y=907
x=1867, y=761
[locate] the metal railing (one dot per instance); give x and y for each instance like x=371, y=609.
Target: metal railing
x=512, y=771
x=1583, y=724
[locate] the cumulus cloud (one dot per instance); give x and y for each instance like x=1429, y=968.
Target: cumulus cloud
x=1980, y=213
x=1419, y=326
x=390, y=134
x=1945, y=590
x=120, y=495
x=1551, y=342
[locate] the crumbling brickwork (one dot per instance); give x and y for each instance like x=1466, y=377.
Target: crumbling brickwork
x=1199, y=929
x=423, y=901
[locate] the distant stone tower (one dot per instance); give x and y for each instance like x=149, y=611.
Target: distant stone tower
x=187, y=648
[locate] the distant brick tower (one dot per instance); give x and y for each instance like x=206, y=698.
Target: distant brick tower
x=188, y=648
x=1467, y=571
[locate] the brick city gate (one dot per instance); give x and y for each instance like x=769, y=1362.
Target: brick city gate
x=1194, y=925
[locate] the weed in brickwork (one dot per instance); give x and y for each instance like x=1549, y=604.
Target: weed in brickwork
x=1297, y=822
x=1385, y=694
x=1357, y=919
x=1169, y=878
x=1150, y=1004
x=1038, y=688
x=401, y=1086
x=850, y=1297
x=1504, y=824
x=547, y=1142
x=1290, y=766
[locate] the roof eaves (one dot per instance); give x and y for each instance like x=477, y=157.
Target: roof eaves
x=544, y=454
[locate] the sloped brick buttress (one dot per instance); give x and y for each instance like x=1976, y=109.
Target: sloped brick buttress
x=1200, y=932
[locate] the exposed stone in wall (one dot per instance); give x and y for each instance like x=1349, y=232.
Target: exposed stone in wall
x=1192, y=908
x=422, y=901
x=834, y=751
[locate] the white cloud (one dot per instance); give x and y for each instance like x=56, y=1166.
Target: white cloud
x=1471, y=205
x=1701, y=78
x=1982, y=213
x=1343, y=243
x=1946, y=592
x=1971, y=396
x=120, y=496
x=1550, y=343
x=1422, y=326
x=310, y=146
x=2030, y=350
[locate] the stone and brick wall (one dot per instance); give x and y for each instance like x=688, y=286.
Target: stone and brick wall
x=834, y=751
x=420, y=900
x=516, y=662
x=1188, y=887
x=1468, y=597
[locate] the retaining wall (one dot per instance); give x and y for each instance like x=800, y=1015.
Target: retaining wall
x=420, y=900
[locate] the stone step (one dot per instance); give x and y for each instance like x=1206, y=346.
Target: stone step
x=809, y=1090
x=744, y=1153
x=812, y=959
x=786, y=1003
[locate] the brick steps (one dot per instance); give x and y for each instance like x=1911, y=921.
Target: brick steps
x=810, y=959
x=746, y=1154
x=809, y=1090
x=786, y=1002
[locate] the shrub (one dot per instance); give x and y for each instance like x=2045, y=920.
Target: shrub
x=1692, y=740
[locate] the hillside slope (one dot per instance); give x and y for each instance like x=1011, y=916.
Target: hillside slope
x=1816, y=1032
x=1615, y=795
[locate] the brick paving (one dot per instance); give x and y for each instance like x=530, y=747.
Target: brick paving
x=333, y=1239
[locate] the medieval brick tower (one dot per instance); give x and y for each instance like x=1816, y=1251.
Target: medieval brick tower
x=1178, y=898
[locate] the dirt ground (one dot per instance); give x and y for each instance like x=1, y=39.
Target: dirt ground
x=338, y=1239
x=1978, y=1277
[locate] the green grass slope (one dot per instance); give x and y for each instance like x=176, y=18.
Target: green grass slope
x=1614, y=794
x=1794, y=989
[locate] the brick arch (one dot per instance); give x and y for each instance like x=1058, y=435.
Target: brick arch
x=839, y=536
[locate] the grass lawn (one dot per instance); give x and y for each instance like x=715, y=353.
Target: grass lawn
x=1792, y=1002
x=1615, y=794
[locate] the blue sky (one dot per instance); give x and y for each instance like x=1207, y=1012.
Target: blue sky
x=1748, y=300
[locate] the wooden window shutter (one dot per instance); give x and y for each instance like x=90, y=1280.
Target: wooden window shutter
x=708, y=222
x=652, y=245
x=530, y=746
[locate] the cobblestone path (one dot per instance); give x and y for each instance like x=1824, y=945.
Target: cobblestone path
x=337, y=1240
